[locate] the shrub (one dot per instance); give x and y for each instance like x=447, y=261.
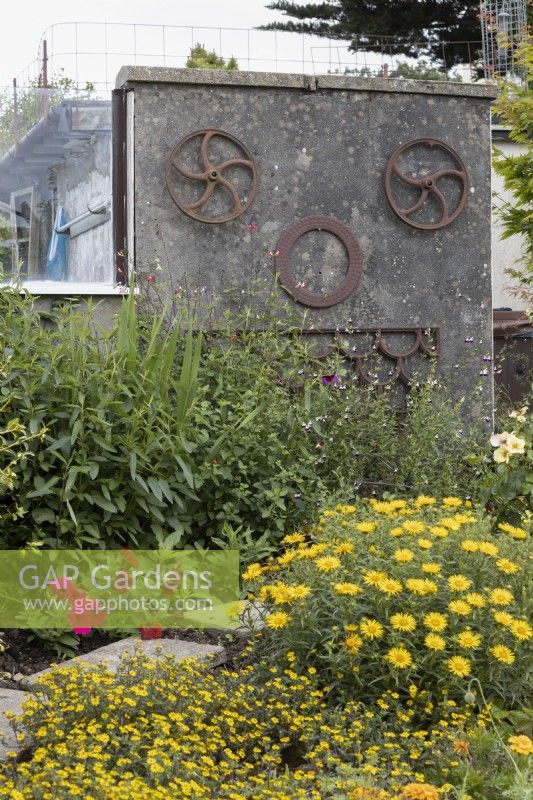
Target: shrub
x=167, y=729
x=400, y=592
x=112, y=467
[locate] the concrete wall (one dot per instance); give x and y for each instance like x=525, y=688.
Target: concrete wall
x=321, y=146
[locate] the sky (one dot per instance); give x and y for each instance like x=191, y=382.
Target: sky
x=23, y=23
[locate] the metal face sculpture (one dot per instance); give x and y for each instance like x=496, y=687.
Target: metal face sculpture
x=212, y=175
x=294, y=287
x=427, y=184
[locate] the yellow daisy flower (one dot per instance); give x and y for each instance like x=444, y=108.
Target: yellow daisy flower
x=488, y=549
x=293, y=538
x=424, y=500
x=468, y=639
x=452, y=502
x=431, y=568
x=439, y=531
x=421, y=586
x=403, y=555
x=403, y=622
x=521, y=629
x=475, y=599
x=371, y=628
x=349, y=589
x=252, y=572
x=434, y=642
x=343, y=547
x=425, y=544
x=328, y=563
x=366, y=527
x=459, y=666
x=399, y=657
x=460, y=607
x=389, y=586
x=419, y=791
x=502, y=653
x=469, y=546
x=353, y=643
x=503, y=617
x=435, y=621
x=279, y=619
x=413, y=526
x=459, y=583
x=506, y=566
x=501, y=597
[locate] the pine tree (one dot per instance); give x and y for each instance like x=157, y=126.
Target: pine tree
x=409, y=27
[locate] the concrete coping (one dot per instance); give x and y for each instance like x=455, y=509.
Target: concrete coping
x=128, y=76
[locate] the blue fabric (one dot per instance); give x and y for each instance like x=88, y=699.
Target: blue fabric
x=57, y=258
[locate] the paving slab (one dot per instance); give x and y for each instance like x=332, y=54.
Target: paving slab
x=111, y=653
x=10, y=700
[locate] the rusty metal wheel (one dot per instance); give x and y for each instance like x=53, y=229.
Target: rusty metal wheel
x=427, y=184
x=212, y=175
x=353, y=250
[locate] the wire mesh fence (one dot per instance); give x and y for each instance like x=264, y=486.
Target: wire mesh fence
x=503, y=27
x=93, y=53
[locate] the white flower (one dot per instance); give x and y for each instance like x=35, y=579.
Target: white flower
x=519, y=414
x=498, y=439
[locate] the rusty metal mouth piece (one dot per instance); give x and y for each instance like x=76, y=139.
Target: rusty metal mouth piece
x=355, y=261
x=428, y=185
x=212, y=175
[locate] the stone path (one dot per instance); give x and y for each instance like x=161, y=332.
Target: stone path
x=12, y=699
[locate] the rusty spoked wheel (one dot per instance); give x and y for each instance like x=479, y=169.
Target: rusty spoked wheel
x=212, y=176
x=353, y=251
x=427, y=184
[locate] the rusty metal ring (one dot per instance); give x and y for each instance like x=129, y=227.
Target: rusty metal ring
x=427, y=185
x=355, y=261
x=212, y=175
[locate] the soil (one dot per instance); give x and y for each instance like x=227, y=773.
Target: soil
x=24, y=655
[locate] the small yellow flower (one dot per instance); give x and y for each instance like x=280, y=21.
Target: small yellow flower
x=424, y=500
x=521, y=744
x=403, y=555
x=253, y=572
x=439, y=531
x=459, y=583
x=389, y=586
x=353, y=643
x=434, y=642
x=403, y=622
x=459, y=666
x=343, y=547
x=506, y=566
x=421, y=586
x=468, y=639
x=293, y=538
x=366, y=527
x=328, y=563
x=413, y=526
x=488, y=549
x=469, y=546
x=452, y=502
x=419, y=791
x=475, y=599
x=516, y=533
x=374, y=577
x=347, y=588
x=399, y=657
x=501, y=597
x=503, y=654
x=521, y=629
x=425, y=544
x=503, y=617
x=435, y=621
x=279, y=619
x=431, y=569
x=460, y=607
x=371, y=628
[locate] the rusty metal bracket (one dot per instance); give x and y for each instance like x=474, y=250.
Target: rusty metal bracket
x=212, y=175
x=426, y=343
x=353, y=250
x=427, y=184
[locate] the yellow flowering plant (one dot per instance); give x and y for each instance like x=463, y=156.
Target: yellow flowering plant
x=395, y=592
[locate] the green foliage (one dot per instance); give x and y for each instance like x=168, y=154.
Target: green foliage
x=515, y=109
x=392, y=593
x=401, y=26
x=201, y=58
x=113, y=466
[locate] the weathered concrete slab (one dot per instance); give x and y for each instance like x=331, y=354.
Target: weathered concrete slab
x=111, y=653
x=11, y=700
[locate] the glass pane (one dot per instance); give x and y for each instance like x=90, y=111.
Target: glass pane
x=55, y=185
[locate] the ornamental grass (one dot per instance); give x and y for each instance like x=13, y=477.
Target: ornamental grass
x=397, y=592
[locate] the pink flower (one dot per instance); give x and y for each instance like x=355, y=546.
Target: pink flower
x=82, y=631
